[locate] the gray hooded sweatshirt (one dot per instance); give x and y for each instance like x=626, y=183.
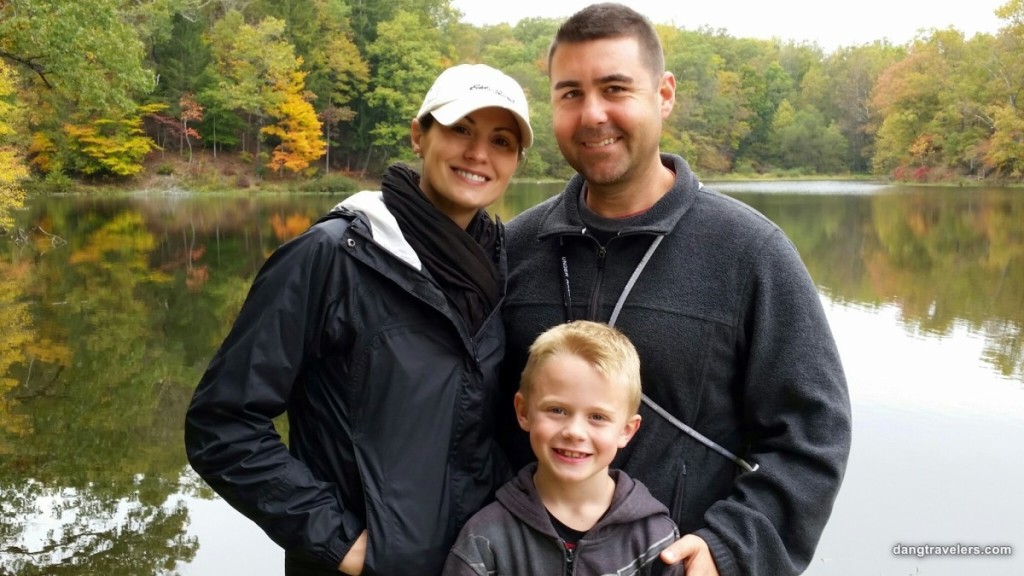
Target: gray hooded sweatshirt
x=515, y=537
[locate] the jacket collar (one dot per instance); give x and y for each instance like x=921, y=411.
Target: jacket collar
x=563, y=216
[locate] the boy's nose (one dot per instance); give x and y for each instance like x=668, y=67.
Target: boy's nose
x=573, y=429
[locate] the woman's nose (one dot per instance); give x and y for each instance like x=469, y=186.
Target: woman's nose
x=476, y=149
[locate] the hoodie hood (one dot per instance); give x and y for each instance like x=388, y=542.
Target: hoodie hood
x=631, y=502
x=383, y=225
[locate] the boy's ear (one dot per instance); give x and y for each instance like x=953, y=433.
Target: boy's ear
x=522, y=412
x=629, y=430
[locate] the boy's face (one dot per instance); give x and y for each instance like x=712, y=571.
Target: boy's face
x=577, y=420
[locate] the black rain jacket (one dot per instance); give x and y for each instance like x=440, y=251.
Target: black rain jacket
x=391, y=403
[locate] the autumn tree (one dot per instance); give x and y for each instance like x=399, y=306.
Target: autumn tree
x=297, y=129
x=251, y=64
x=1004, y=151
x=110, y=146
x=840, y=88
x=12, y=167
x=190, y=111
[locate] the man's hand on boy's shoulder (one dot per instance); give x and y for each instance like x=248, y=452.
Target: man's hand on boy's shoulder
x=693, y=553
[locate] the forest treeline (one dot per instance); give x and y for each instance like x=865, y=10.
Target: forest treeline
x=305, y=87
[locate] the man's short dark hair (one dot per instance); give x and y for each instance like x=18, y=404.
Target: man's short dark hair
x=611, y=20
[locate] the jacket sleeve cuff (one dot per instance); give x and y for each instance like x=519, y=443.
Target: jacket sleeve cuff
x=350, y=530
x=724, y=560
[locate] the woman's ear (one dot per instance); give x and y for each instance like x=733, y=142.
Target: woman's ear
x=416, y=137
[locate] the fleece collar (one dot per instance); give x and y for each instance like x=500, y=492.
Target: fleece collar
x=563, y=216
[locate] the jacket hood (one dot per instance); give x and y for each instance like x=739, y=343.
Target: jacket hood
x=631, y=502
x=563, y=215
x=383, y=225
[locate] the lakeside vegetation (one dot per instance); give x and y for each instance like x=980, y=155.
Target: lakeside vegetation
x=257, y=93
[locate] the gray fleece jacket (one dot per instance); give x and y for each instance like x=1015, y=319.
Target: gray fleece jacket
x=514, y=536
x=733, y=341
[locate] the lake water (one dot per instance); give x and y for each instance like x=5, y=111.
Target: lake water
x=111, y=308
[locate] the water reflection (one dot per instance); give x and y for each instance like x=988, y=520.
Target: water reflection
x=104, y=334
x=942, y=257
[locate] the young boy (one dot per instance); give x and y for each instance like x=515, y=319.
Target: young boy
x=568, y=513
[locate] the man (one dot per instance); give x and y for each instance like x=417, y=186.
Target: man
x=731, y=333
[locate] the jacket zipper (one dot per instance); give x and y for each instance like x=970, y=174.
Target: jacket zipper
x=595, y=298
x=570, y=560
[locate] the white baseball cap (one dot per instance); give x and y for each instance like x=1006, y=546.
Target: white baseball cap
x=466, y=88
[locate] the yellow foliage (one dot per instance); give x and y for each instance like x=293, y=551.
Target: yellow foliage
x=12, y=168
x=290, y=226
x=15, y=335
x=298, y=129
x=117, y=146
x=12, y=197
x=42, y=152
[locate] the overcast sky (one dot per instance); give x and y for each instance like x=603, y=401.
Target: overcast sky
x=830, y=23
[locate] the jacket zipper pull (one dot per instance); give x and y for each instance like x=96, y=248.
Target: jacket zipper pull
x=570, y=558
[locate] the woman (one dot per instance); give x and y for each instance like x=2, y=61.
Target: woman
x=377, y=330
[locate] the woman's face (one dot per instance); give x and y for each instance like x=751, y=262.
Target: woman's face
x=468, y=165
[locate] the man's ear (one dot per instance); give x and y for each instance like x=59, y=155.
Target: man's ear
x=629, y=430
x=667, y=93
x=522, y=411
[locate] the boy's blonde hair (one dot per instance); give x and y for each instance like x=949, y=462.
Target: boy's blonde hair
x=606, y=349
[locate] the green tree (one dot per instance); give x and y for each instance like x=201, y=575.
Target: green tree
x=408, y=54
x=87, y=51
x=801, y=139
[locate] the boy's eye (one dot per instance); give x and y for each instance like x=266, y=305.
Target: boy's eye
x=556, y=410
x=599, y=417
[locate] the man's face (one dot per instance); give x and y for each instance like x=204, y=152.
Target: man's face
x=608, y=110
